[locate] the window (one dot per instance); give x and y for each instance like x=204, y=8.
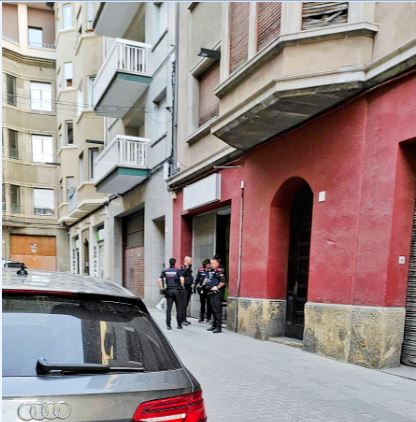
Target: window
x=41, y=96
x=42, y=149
x=11, y=89
x=68, y=74
x=319, y=14
x=35, y=37
x=90, y=16
x=118, y=331
x=92, y=152
x=239, y=28
x=67, y=16
x=15, y=199
x=70, y=188
x=43, y=201
x=268, y=22
x=91, y=80
x=3, y=196
x=81, y=168
x=161, y=118
x=80, y=100
x=69, y=133
x=208, y=101
x=13, y=144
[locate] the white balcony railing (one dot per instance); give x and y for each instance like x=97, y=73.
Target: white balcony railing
x=124, y=56
x=122, y=151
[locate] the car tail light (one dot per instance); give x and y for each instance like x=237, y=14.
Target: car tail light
x=185, y=408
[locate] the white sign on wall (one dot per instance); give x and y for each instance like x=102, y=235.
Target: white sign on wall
x=202, y=192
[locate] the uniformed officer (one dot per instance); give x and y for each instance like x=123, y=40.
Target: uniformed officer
x=215, y=286
x=186, y=272
x=171, y=285
x=199, y=287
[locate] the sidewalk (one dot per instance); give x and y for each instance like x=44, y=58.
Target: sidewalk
x=248, y=380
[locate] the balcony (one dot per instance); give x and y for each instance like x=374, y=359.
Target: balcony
x=123, y=78
x=81, y=201
x=122, y=164
x=113, y=18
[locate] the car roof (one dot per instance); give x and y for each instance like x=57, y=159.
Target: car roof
x=61, y=282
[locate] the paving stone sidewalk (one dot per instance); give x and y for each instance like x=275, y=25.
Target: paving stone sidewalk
x=247, y=380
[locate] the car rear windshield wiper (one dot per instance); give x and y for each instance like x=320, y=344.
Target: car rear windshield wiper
x=43, y=368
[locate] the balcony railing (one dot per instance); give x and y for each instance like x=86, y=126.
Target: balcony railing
x=35, y=44
x=122, y=151
x=124, y=56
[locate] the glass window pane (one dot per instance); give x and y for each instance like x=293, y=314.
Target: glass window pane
x=11, y=89
x=42, y=149
x=41, y=96
x=68, y=75
x=43, y=201
x=35, y=37
x=67, y=16
x=117, y=332
x=69, y=133
x=13, y=144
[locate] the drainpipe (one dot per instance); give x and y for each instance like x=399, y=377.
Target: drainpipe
x=173, y=155
x=240, y=254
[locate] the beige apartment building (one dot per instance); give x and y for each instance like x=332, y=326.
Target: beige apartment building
x=31, y=231
x=80, y=135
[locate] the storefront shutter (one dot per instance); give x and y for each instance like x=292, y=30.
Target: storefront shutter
x=239, y=20
x=268, y=22
x=317, y=14
x=208, y=101
x=409, y=341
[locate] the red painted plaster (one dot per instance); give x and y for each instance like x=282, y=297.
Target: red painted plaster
x=354, y=154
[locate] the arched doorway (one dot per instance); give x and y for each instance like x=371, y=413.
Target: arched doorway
x=298, y=261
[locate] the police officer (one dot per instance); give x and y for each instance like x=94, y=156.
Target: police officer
x=199, y=287
x=186, y=272
x=215, y=286
x=171, y=285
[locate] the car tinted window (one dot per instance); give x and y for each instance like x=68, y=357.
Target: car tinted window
x=74, y=330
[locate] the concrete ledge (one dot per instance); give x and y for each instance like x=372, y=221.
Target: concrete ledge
x=364, y=335
x=258, y=318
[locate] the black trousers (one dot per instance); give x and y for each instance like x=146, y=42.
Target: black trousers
x=216, y=301
x=173, y=296
x=205, y=305
x=187, y=292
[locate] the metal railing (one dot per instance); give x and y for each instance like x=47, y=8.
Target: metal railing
x=122, y=151
x=124, y=56
x=15, y=208
x=35, y=44
x=43, y=211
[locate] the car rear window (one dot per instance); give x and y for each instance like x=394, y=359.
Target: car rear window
x=74, y=330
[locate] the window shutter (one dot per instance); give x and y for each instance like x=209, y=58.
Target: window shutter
x=239, y=20
x=317, y=14
x=268, y=22
x=208, y=101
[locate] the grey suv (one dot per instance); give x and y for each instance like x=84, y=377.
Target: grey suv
x=80, y=349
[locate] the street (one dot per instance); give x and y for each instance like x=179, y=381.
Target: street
x=246, y=380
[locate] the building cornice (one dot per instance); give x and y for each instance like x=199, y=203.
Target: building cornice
x=29, y=60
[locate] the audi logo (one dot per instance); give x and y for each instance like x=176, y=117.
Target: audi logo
x=44, y=411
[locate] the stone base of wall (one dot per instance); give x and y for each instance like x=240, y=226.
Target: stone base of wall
x=258, y=318
x=364, y=335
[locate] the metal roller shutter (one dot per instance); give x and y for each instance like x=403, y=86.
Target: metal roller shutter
x=208, y=101
x=317, y=14
x=409, y=343
x=268, y=22
x=239, y=20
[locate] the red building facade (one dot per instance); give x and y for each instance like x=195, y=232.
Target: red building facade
x=348, y=256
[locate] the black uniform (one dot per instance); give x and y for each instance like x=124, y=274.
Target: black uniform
x=200, y=278
x=173, y=293
x=216, y=277
x=186, y=273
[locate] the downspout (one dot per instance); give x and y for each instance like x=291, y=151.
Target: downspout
x=240, y=255
x=173, y=155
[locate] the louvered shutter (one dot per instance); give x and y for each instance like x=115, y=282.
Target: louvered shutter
x=239, y=20
x=268, y=22
x=317, y=14
x=208, y=101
